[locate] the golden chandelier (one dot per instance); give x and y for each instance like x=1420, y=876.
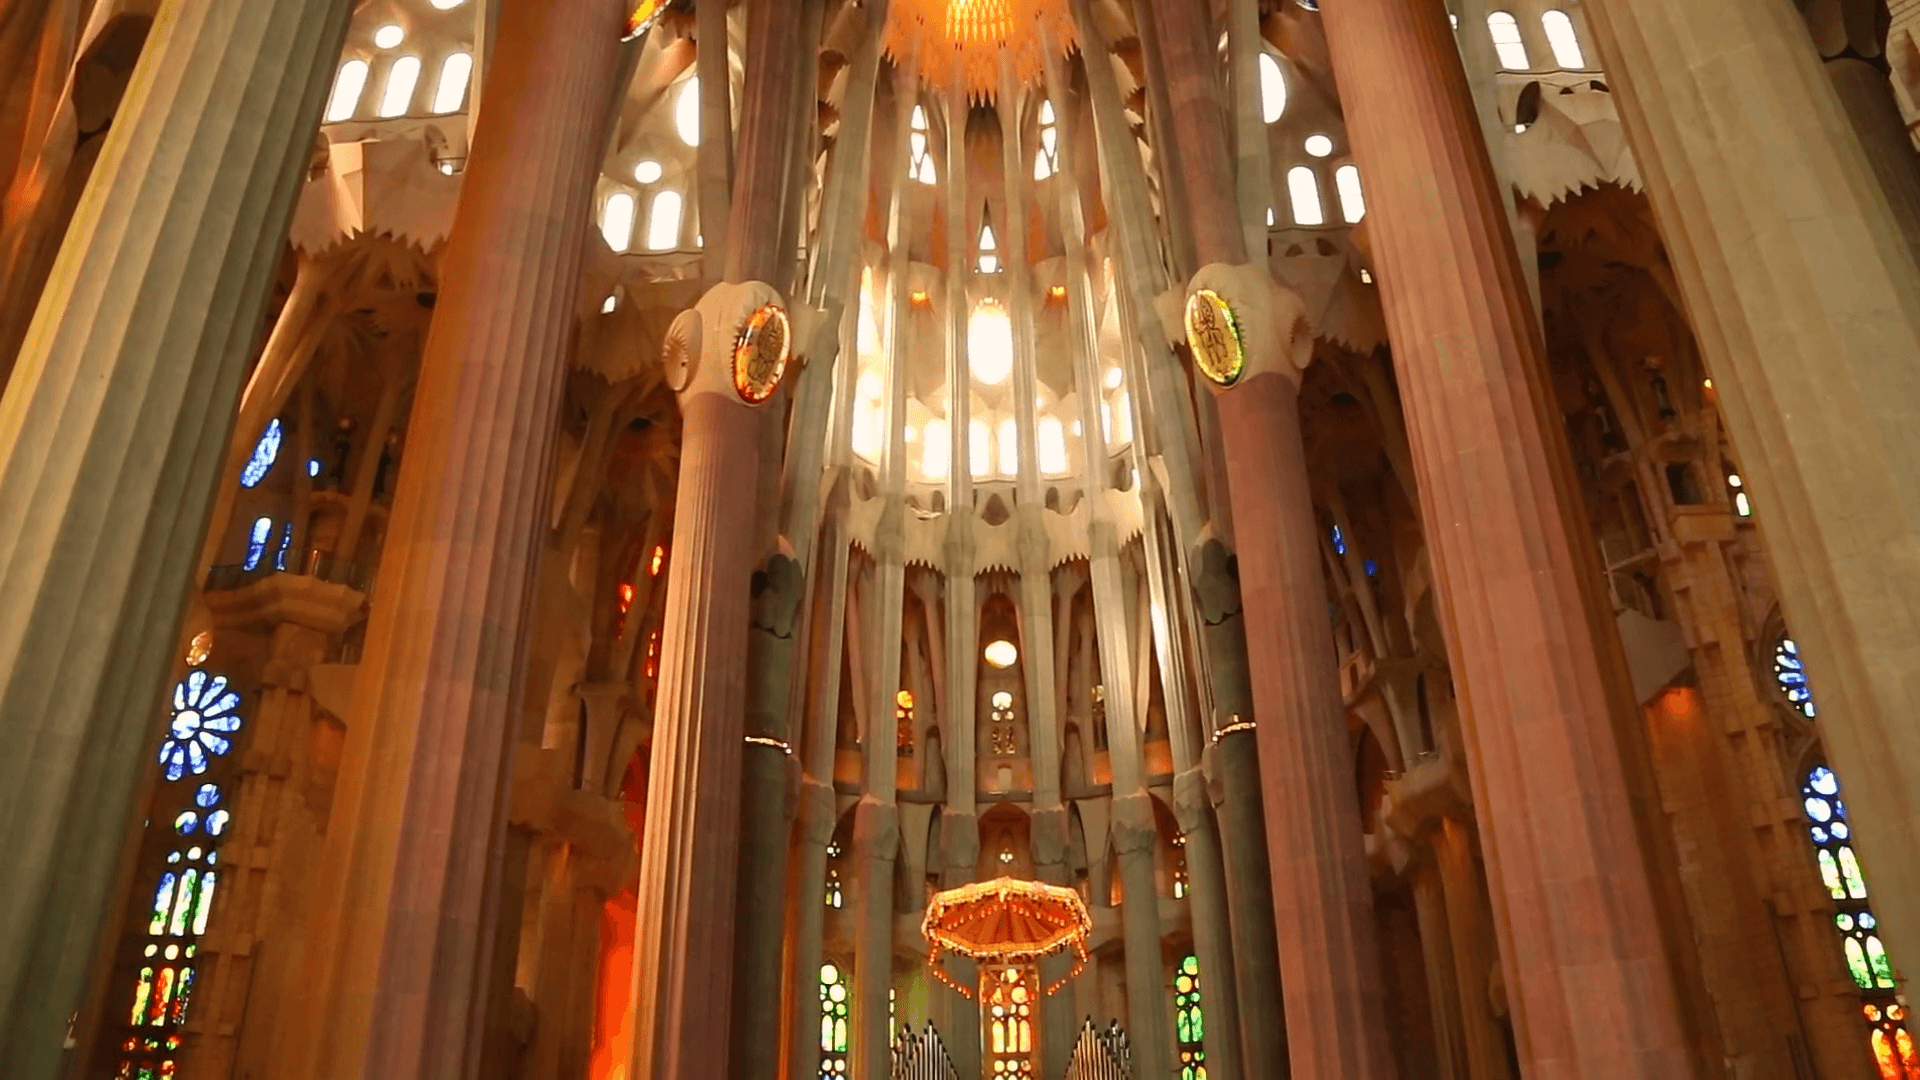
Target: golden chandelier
x=963, y=39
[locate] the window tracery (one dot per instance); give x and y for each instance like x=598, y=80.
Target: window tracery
x=903, y=722
x=920, y=165
x=836, y=998
x=1190, y=1023
x=1046, y=161
x=152, y=1017
x=1010, y=995
x=1831, y=832
x=265, y=453
x=1563, y=40
x=1000, y=733
x=1505, y=30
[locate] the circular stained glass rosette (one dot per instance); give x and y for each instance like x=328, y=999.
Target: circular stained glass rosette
x=1213, y=333
x=760, y=356
x=205, y=716
x=645, y=14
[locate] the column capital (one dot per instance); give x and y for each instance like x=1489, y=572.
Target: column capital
x=1240, y=324
x=734, y=343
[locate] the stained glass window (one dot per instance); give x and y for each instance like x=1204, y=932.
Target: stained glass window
x=836, y=897
x=1791, y=674
x=193, y=820
x=1010, y=996
x=836, y=998
x=257, y=540
x=903, y=722
x=1046, y=161
x=1190, y=1023
x=921, y=166
x=1832, y=835
x=265, y=453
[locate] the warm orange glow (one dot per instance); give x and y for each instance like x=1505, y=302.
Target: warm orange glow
x=626, y=596
x=659, y=560
x=1680, y=703
x=921, y=298
x=1006, y=921
x=1058, y=292
x=653, y=652
x=904, y=699
x=612, y=1022
x=968, y=35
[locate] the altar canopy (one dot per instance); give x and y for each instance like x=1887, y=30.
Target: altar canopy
x=1007, y=921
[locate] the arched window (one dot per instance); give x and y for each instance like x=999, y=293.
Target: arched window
x=205, y=717
x=979, y=450
x=286, y=545
x=1052, y=446
x=936, y=450
x=1303, y=187
x=836, y=897
x=456, y=71
x=1000, y=735
x=1010, y=997
x=686, y=112
x=1190, y=1023
x=402, y=77
x=265, y=453
x=347, y=88
x=1353, y=202
x=1046, y=161
x=1009, y=447
x=989, y=251
x=616, y=221
x=1273, y=89
x=257, y=540
x=1832, y=835
x=903, y=723
x=920, y=166
x=1179, y=868
x=990, y=339
x=663, y=221
x=836, y=997
x=1506, y=41
x=1563, y=39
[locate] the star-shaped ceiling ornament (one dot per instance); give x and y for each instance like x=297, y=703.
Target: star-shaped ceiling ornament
x=967, y=35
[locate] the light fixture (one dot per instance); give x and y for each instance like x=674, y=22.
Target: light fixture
x=389, y=35
x=1001, y=653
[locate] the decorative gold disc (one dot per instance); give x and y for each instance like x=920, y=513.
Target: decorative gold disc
x=1214, y=336
x=760, y=356
x=644, y=15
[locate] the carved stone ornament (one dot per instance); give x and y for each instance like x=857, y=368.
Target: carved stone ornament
x=1213, y=333
x=760, y=355
x=681, y=351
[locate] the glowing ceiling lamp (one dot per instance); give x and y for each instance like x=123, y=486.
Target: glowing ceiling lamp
x=1001, y=654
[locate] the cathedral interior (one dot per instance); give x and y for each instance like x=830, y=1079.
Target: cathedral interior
x=934, y=539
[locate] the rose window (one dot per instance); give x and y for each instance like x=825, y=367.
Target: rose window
x=205, y=715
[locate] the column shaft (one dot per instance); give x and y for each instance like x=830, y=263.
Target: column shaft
x=1805, y=299
x=1514, y=561
x=684, y=943
x=1322, y=893
x=395, y=947
x=111, y=434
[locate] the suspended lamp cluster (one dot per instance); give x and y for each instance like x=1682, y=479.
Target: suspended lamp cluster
x=964, y=38
x=1006, y=921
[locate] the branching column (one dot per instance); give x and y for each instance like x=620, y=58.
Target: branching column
x=111, y=435
x=1806, y=304
x=1322, y=893
x=395, y=944
x=1571, y=887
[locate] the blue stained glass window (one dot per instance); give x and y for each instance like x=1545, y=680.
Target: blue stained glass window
x=313, y=466
x=1339, y=542
x=286, y=544
x=257, y=543
x=1373, y=568
x=1791, y=674
x=265, y=453
x=204, y=719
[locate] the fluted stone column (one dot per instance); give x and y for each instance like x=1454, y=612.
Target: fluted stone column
x=1806, y=305
x=393, y=951
x=1513, y=557
x=1322, y=894
x=111, y=434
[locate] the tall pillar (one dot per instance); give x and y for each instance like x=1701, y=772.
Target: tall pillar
x=1470, y=944
x=1322, y=892
x=394, y=951
x=111, y=434
x=1572, y=891
x=1806, y=304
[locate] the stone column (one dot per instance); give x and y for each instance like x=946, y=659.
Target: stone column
x=111, y=434
x=1513, y=557
x=1806, y=304
x=1471, y=946
x=394, y=953
x=1436, y=944
x=1322, y=893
